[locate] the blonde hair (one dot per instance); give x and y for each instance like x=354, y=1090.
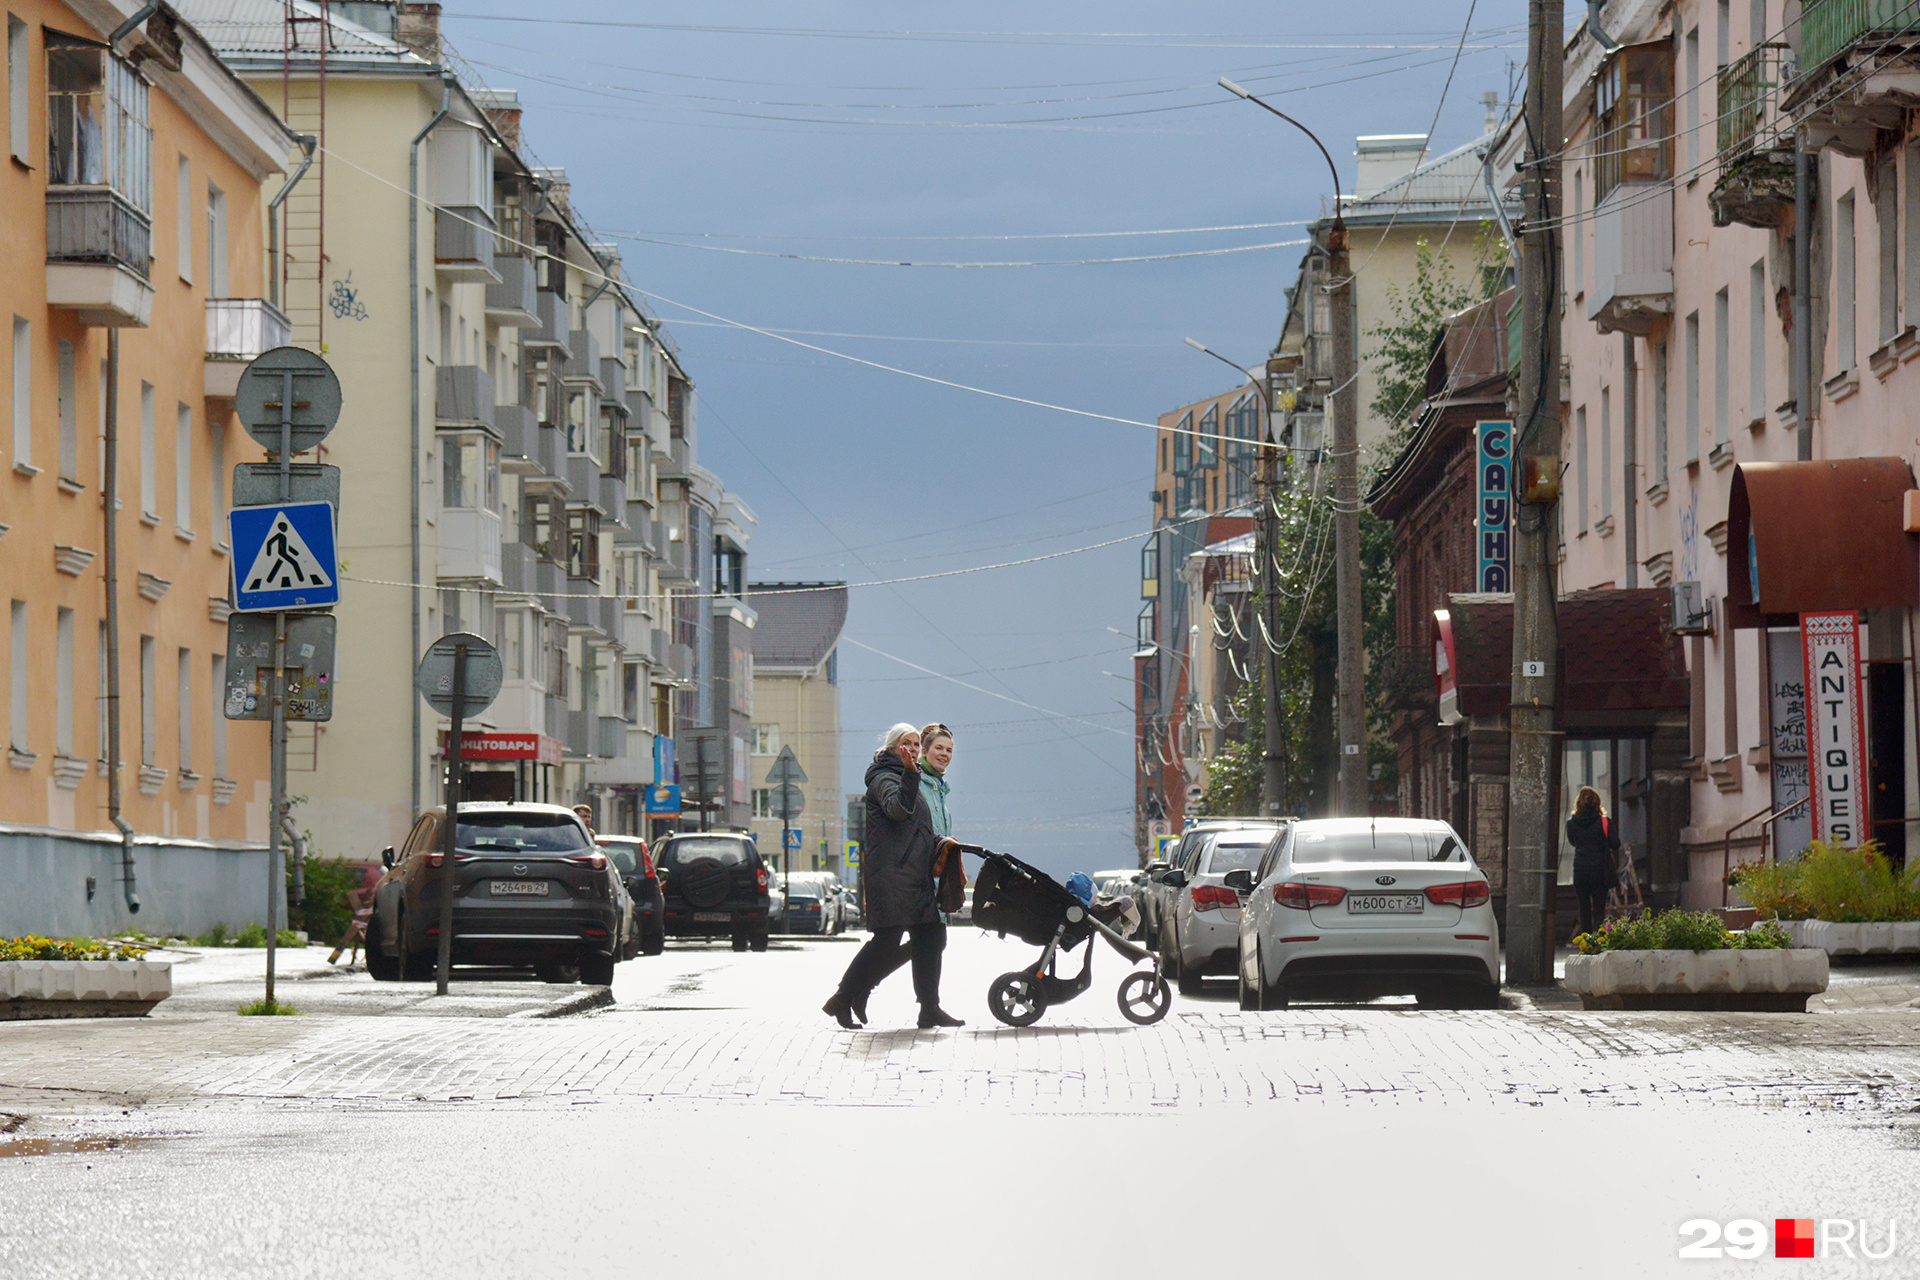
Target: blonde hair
x=892, y=737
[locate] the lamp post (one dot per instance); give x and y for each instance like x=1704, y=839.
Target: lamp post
x=1273, y=761
x=1341, y=408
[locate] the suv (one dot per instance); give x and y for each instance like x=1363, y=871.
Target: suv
x=714, y=884
x=635, y=864
x=530, y=888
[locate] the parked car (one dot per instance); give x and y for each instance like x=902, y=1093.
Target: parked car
x=812, y=906
x=635, y=865
x=1356, y=908
x=1145, y=895
x=714, y=884
x=1108, y=885
x=530, y=888
x=851, y=917
x=1200, y=934
x=1156, y=896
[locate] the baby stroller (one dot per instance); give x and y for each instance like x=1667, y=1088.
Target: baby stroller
x=1011, y=897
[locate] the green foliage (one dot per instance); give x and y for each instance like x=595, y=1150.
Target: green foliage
x=325, y=914
x=1765, y=936
x=1670, y=931
x=1237, y=769
x=34, y=947
x=214, y=937
x=1829, y=882
x=254, y=935
x=261, y=1008
x=287, y=938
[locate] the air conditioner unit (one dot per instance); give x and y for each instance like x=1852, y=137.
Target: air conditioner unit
x=1692, y=611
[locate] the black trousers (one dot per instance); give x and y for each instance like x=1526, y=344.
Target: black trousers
x=883, y=953
x=1590, y=888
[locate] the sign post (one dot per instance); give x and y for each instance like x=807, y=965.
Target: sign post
x=1836, y=727
x=460, y=673
x=283, y=559
x=785, y=778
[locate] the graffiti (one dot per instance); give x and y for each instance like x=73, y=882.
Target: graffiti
x=1690, y=540
x=1789, y=717
x=345, y=300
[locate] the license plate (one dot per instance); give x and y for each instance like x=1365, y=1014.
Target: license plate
x=711, y=917
x=1361, y=904
x=519, y=888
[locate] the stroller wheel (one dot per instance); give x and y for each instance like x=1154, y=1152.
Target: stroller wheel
x=1144, y=998
x=1015, y=999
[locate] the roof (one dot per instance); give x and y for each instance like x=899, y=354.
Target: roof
x=238, y=28
x=1450, y=186
x=1617, y=652
x=800, y=622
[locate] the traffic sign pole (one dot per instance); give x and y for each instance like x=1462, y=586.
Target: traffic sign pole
x=443, y=966
x=277, y=767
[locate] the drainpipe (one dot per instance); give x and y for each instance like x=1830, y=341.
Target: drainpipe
x=125, y=29
x=307, y=143
x=1599, y=33
x=413, y=452
x=1630, y=459
x=1803, y=301
x=110, y=501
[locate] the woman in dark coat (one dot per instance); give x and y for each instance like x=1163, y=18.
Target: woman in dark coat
x=897, y=861
x=1596, y=847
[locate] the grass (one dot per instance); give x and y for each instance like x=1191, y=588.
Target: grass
x=261, y=1008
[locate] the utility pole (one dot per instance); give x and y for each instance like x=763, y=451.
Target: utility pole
x=1531, y=836
x=1342, y=406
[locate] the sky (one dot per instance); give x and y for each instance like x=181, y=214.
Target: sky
x=779, y=165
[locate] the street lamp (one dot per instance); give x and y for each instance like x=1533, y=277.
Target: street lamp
x=1346, y=490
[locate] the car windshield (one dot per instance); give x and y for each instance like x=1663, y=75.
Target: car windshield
x=624, y=856
x=512, y=832
x=726, y=852
x=1224, y=857
x=1385, y=845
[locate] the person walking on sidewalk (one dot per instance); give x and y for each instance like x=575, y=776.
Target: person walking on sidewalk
x=1596, y=851
x=901, y=848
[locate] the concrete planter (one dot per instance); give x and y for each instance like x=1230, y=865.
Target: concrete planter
x=1878, y=938
x=1753, y=981
x=82, y=988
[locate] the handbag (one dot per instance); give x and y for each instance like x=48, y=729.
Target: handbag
x=952, y=893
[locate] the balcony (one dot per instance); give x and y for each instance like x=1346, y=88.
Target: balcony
x=469, y=546
x=556, y=717
x=463, y=396
x=553, y=448
x=679, y=463
x=583, y=605
x=512, y=301
x=463, y=244
x=583, y=480
x=238, y=331
x=1755, y=187
x=612, y=743
x=551, y=331
x=613, y=498
x=99, y=253
x=549, y=580
x=584, y=356
x=516, y=568
x=579, y=736
x=519, y=439
x=680, y=662
x=612, y=617
x=1632, y=258
x=613, y=380
x=675, y=564
x=1855, y=76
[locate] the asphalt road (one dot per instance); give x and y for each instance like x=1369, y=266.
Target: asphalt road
x=711, y=1122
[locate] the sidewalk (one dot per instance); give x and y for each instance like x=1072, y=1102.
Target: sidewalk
x=218, y=980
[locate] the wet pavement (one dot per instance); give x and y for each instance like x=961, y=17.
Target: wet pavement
x=711, y=1121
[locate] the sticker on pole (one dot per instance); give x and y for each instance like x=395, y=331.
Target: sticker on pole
x=283, y=557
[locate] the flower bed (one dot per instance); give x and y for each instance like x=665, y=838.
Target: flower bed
x=1845, y=902
x=1689, y=960
x=79, y=978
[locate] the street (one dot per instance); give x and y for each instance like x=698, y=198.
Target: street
x=721, y=1125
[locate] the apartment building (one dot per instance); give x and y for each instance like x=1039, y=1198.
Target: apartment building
x=518, y=449
x=796, y=705
x=136, y=277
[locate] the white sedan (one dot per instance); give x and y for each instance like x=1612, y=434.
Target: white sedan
x=1355, y=908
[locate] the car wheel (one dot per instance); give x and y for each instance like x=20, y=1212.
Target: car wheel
x=1274, y=997
x=381, y=967
x=740, y=942
x=1249, y=1001
x=653, y=941
x=759, y=939
x=596, y=971
x=1188, y=975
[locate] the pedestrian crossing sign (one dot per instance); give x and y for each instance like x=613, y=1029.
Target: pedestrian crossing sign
x=283, y=557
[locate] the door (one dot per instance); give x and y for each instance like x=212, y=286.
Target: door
x=1887, y=756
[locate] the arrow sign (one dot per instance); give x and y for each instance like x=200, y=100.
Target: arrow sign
x=786, y=770
x=283, y=557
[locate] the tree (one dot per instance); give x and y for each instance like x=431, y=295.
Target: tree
x=1415, y=314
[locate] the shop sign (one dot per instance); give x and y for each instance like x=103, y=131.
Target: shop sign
x=537, y=747
x=1836, y=726
x=1493, y=521
x=663, y=800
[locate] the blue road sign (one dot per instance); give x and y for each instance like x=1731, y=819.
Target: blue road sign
x=283, y=557
x=791, y=838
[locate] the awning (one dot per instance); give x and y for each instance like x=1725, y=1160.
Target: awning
x=1616, y=653
x=1823, y=537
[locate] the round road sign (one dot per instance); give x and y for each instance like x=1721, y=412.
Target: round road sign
x=434, y=676
x=288, y=384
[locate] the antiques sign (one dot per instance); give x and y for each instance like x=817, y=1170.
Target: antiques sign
x=1836, y=729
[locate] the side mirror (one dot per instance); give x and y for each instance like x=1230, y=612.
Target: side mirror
x=1240, y=881
x=386, y=857
x=1173, y=878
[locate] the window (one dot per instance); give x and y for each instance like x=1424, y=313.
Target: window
x=183, y=218
x=766, y=739
x=1843, y=281
x=1243, y=430
x=97, y=129
x=17, y=670
x=1723, y=34
x=1660, y=413
x=542, y=526
x=186, y=711
x=1634, y=102
x=1606, y=453
x=1757, y=22
x=1886, y=212
x=183, y=469
x=1206, y=453
x=445, y=334
x=18, y=128
x=23, y=396
x=1618, y=769
x=764, y=807
x=216, y=242
x=63, y=677
x=1757, y=341
x=100, y=703
x=148, y=717
x=1722, y=388
x=217, y=685
x=1692, y=389
x=583, y=420
x=1145, y=624
x=469, y=473
x=1577, y=233
x=69, y=427
x=149, y=475
x=630, y=686
x=1693, y=101
x=583, y=543
x=1580, y=463
x=217, y=491
x=1913, y=231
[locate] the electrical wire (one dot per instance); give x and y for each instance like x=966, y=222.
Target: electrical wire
x=884, y=262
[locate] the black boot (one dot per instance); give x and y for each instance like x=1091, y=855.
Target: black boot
x=859, y=1004
x=932, y=1015
x=837, y=1007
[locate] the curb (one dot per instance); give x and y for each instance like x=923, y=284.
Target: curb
x=585, y=1002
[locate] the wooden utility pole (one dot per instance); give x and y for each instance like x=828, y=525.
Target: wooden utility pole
x=1532, y=840
x=1342, y=409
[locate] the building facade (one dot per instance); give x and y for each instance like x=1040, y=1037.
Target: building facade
x=796, y=705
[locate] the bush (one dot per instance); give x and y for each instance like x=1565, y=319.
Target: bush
x=260, y=1008
x=1677, y=931
x=33, y=947
x=1829, y=882
x=1771, y=888
x=254, y=935
x=325, y=914
x=1765, y=936
x=214, y=937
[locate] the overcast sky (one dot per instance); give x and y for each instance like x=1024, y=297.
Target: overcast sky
x=939, y=134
